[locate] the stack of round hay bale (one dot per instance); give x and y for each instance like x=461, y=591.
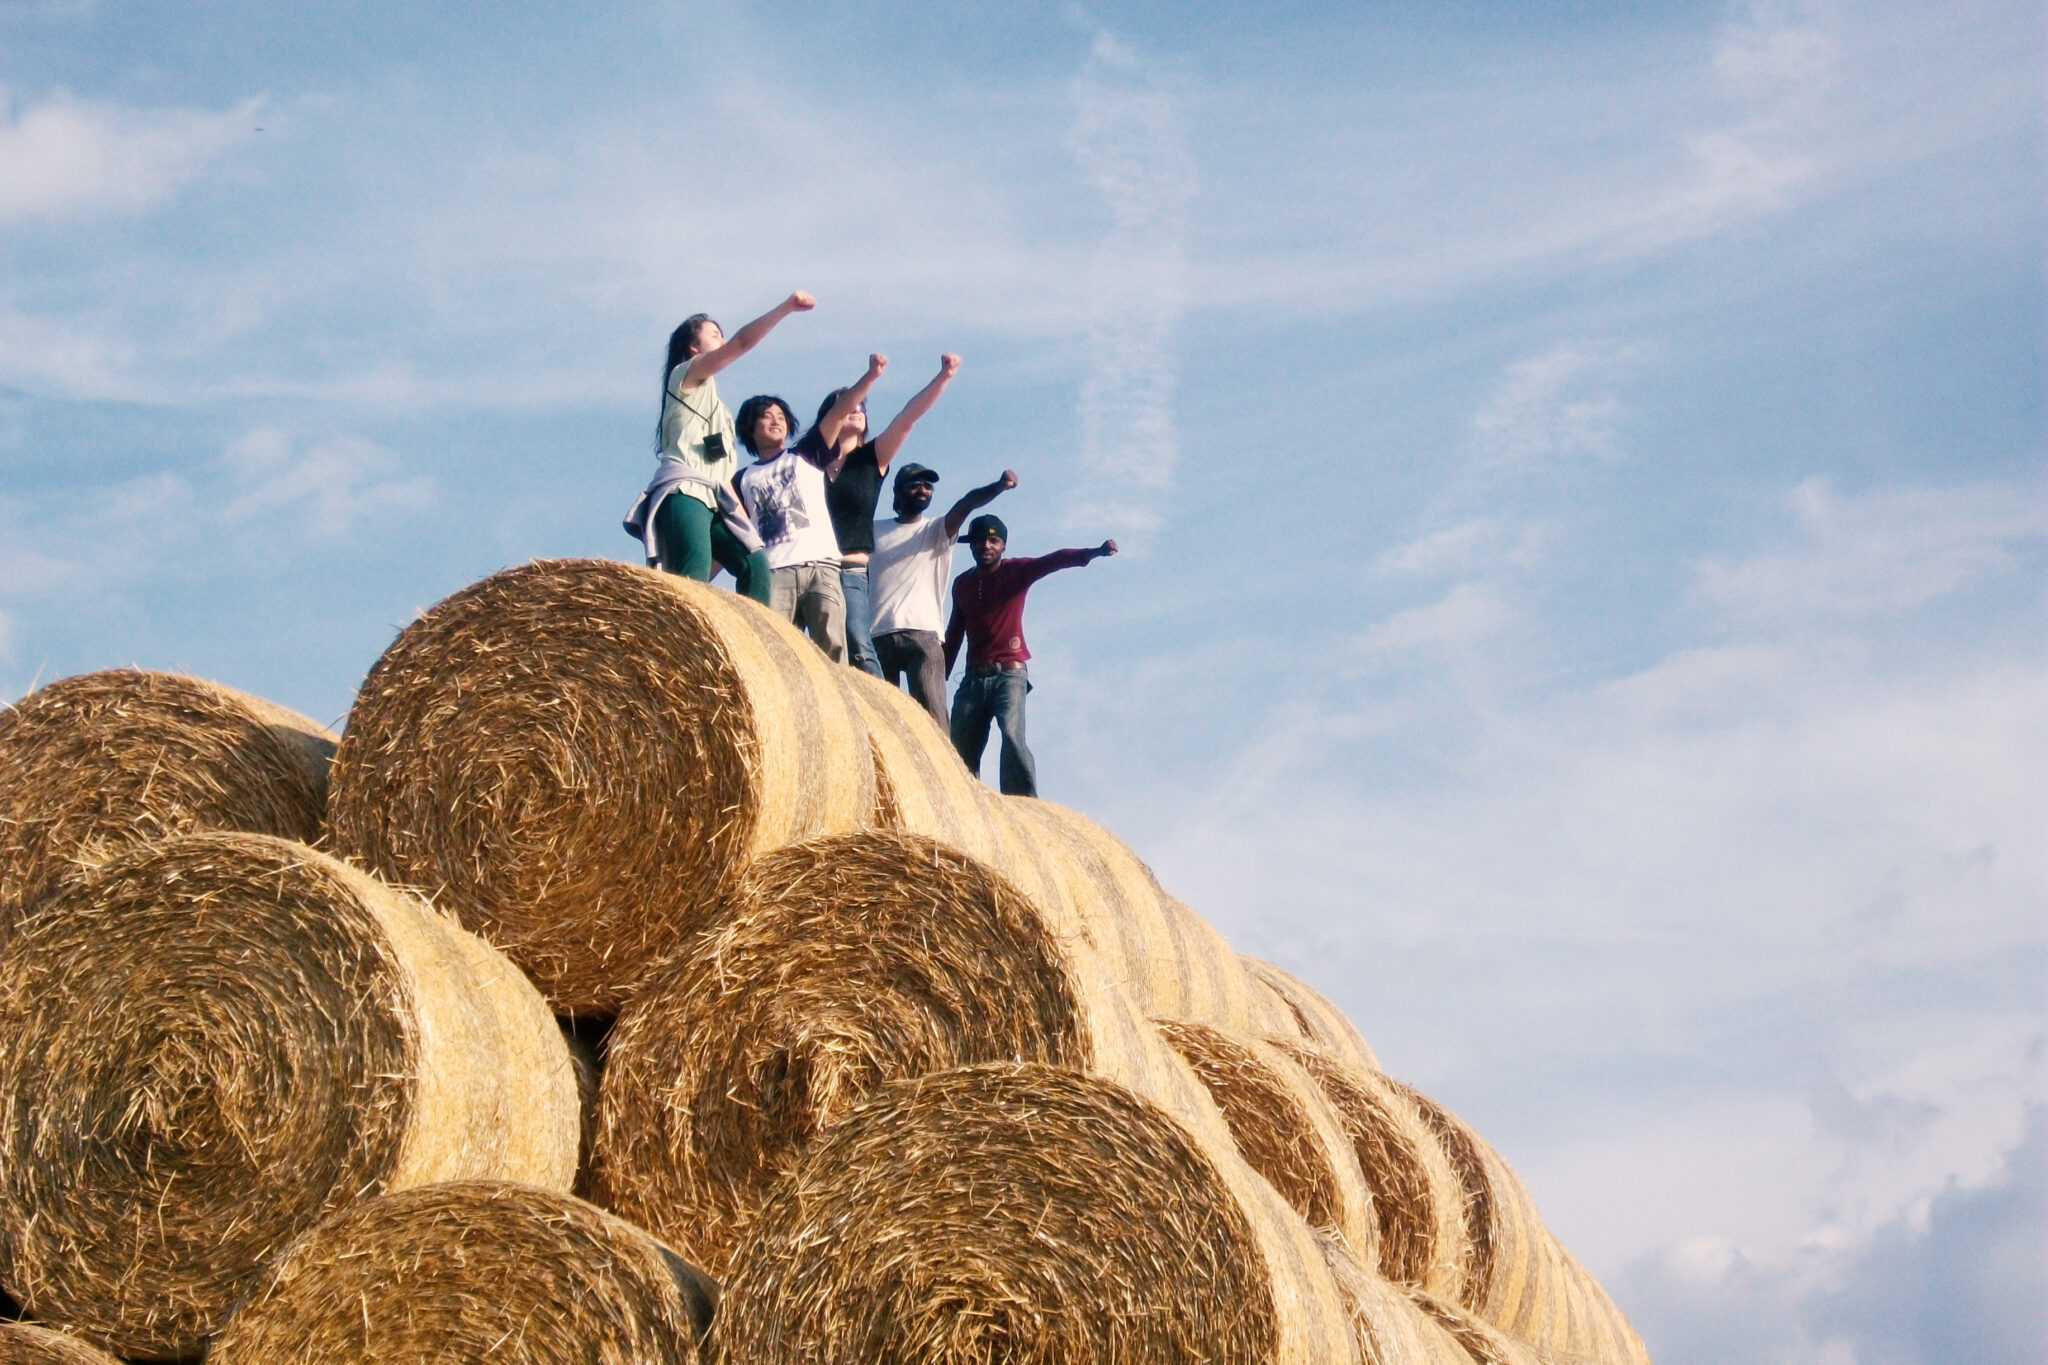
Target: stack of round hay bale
x=911, y=1069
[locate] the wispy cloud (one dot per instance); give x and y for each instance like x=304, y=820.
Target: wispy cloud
x=328, y=486
x=1129, y=138
x=1886, y=550
x=67, y=157
x=1552, y=408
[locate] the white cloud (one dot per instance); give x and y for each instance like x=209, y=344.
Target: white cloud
x=331, y=484
x=1463, y=616
x=1480, y=543
x=1130, y=141
x=1552, y=408
x=67, y=157
x=69, y=356
x=1886, y=550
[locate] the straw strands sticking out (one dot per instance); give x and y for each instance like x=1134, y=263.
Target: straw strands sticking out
x=577, y=756
x=1418, y=1196
x=1285, y=1129
x=1518, y=1277
x=1172, y=961
x=921, y=785
x=24, y=1343
x=210, y=1043
x=93, y=763
x=473, y=1270
x=1315, y=1018
x=1388, y=1328
x=1483, y=1342
x=1001, y=1212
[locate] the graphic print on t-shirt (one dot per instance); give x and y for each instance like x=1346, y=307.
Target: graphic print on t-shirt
x=778, y=505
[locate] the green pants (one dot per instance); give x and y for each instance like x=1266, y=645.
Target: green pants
x=690, y=536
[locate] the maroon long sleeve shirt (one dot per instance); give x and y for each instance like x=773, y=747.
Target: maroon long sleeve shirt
x=988, y=608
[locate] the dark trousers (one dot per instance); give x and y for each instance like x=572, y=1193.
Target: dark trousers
x=920, y=657
x=998, y=697
x=689, y=536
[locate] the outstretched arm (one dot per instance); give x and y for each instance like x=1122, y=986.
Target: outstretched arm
x=842, y=407
x=891, y=441
x=976, y=499
x=1067, y=559
x=704, y=364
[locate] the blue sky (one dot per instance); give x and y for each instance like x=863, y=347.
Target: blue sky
x=1580, y=467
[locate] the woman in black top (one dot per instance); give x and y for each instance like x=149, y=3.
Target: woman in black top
x=854, y=466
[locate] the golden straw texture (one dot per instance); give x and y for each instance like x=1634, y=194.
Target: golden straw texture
x=210, y=1043
x=1000, y=1213
x=1418, y=1196
x=1284, y=1128
x=1313, y=1016
x=577, y=757
x=1518, y=1277
x=1388, y=1328
x=24, y=1343
x=848, y=962
x=473, y=1270
x=93, y=763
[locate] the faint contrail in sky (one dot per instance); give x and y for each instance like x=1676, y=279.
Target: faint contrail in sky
x=1129, y=141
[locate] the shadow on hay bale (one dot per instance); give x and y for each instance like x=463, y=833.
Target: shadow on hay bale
x=210, y=1043
x=470, y=1271
x=576, y=757
x=1000, y=1212
x=1285, y=1129
x=94, y=763
x=847, y=963
x=1389, y=1327
x=23, y=1343
x=1418, y=1197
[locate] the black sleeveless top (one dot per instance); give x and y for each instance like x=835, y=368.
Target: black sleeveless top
x=852, y=497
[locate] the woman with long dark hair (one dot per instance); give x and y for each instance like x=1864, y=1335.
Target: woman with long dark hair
x=688, y=518
x=854, y=463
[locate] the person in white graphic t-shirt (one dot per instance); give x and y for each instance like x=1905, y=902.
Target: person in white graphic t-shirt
x=785, y=495
x=907, y=577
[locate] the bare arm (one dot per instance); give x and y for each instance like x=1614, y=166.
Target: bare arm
x=976, y=499
x=704, y=364
x=842, y=407
x=891, y=440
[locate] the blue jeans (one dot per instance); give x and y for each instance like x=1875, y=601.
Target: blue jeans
x=860, y=619
x=997, y=697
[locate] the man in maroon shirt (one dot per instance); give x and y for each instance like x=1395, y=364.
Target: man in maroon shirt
x=988, y=610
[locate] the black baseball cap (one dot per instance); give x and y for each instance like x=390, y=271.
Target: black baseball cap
x=986, y=522
x=916, y=473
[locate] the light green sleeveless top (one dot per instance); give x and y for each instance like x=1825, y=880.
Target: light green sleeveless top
x=686, y=419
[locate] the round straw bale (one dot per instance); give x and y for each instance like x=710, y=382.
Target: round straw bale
x=921, y=786
x=1313, y=1016
x=1483, y=1342
x=1518, y=1277
x=23, y=1343
x=1173, y=961
x=1284, y=1128
x=1418, y=1196
x=94, y=763
x=473, y=1270
x=1001, y=1212
x=842, y=964
x=1388, y=1328
x=577, y=757
x=209, y=1043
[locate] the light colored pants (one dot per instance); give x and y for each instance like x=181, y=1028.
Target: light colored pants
x=808, y=595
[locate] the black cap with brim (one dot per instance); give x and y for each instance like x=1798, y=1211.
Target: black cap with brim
x=982, y=524
x=916, y=473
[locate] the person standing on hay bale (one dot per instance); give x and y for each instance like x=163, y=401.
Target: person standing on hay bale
x=854, y=464
x=912, y=560
x=688, y=517
x=784, y=493
x=988, y=612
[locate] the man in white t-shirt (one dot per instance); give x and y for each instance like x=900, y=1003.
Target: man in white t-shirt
x=908, y=574
x=785, y=495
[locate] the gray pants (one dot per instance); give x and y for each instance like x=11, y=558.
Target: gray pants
x=809, y=596
x=920, y=657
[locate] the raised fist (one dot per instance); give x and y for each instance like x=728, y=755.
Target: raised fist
x=802, y=302
x=877, y=364
x=1009, y=479
x=1108, y=548
x=949, y=364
